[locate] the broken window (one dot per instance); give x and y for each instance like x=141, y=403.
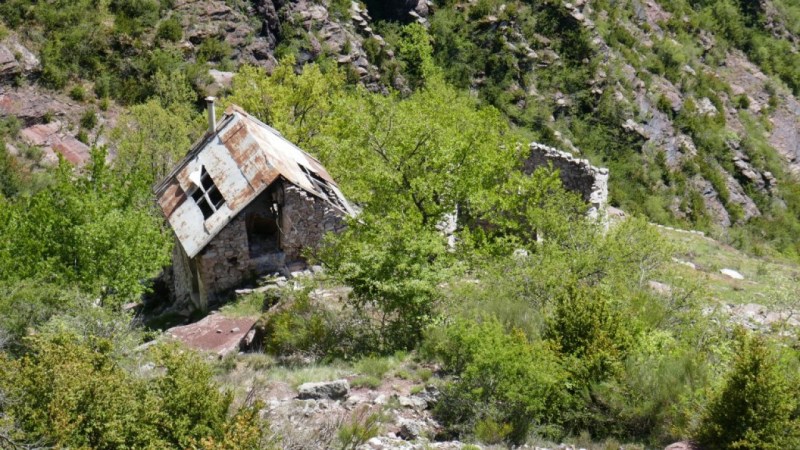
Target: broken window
x=321, y=185
x=207, y=196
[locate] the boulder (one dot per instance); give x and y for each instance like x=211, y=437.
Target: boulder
x=8, y=63
x=333, y=390
x=411, y=429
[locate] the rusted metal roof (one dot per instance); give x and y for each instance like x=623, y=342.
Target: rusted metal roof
x=243, y=157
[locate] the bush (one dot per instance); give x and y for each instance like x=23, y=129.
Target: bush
x=73, y=392
x=362, y=426
x=297, y=327
x=394, y=269
x=756, y=408
x=213, y=49
x=78, y=93
x=29, y=303
x=170, y=30
x=586, y=327
x=505, y=385
x=89, y=119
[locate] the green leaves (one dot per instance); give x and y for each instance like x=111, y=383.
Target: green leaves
x=87, y=230
x=422, y=155
x=502, y=378
x=757, y=406
x=394, y=268
x=68, y=392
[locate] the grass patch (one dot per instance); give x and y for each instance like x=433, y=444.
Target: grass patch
x=309, y=374
x=769, y=280
x=366, y=381
x=250, y=305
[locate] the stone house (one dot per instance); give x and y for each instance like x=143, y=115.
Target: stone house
x=243, y=202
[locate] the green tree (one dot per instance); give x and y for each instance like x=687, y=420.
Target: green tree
x=91, y=230
x=295, y=104
x=756, y=408
x=394, y=268
x=423, y=155
x=151, y=139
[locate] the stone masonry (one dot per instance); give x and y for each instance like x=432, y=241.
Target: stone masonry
x=577, y=175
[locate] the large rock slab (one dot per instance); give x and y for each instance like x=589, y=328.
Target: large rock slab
x=53, y=139
x=333, y=390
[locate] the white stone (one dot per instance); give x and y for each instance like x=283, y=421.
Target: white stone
x=732, y=274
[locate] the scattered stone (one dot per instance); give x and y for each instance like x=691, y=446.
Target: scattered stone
x=691, y=265
x=412, y=402
x=410, y=429
x=333, y=390
x=706, y=108
x=355, y=400
x=732, y=274
x=660, y=288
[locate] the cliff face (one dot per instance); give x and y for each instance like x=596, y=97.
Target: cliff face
x=692, y=105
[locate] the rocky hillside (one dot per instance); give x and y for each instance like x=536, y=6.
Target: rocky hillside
x=519, y=322
x=692, y=105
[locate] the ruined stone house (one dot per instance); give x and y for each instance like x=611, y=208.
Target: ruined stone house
x=577, y=175
x=243, y=202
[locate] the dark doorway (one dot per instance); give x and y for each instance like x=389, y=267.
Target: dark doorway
x=263, y=234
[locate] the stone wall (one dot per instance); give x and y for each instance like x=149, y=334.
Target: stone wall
x=181, y=279
x=305, y=219
x=225, y=262
x=577, y=175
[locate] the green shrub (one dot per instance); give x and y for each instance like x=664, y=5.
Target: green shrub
x=505, y=384
x=756, y=408
x=27, y=304
x=490, y=432
x=10, y=180
x=302, y=327
x=213, y=49
x=89, y=119
x=394, y=269
x=83, y=136
x=367, y=381
x=170, y=30
x=373, y=366
x=362, y=426
x=78, y=93
x=72, y=392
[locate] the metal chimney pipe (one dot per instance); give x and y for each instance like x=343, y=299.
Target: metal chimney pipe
x=212, y=115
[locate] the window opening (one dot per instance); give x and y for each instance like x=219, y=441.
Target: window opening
x=208, y=198
x=321, y=185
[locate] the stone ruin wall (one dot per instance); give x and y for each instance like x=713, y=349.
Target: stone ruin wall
x=305, y=219
x=576, y=174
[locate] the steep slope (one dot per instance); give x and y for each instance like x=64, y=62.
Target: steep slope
x=692, y=104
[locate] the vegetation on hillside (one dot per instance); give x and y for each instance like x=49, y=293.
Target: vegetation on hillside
x=542, y=322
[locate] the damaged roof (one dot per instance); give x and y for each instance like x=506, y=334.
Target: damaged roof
x=243, y=157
